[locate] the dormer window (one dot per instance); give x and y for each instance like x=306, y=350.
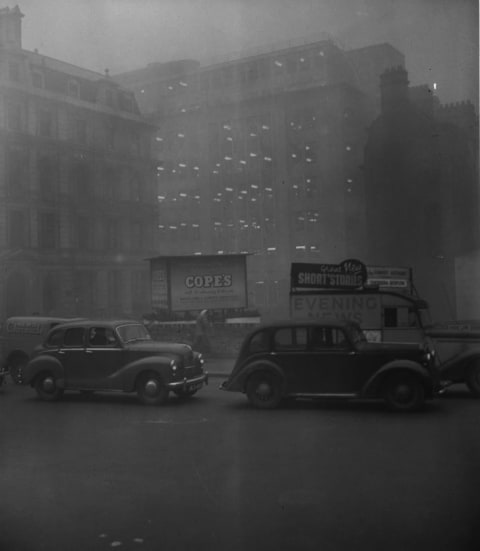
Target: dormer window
x=73, y=88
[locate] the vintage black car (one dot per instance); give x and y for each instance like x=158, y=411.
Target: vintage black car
x=91, y=355
x=313, y=359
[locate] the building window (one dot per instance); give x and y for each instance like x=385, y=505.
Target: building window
x=113, y=235
x=38, y=80
x=14, y=116
x=45, y=123
x=80, y=131
x=135, y=143
x=136, y=236
x=48, y=230
x=109, y=97
x=17, y=229
x=110, y=137
x=114, y=290
x=81, y=181
x=47, y=170
x=84, y=232
x=17, y=171
x=73, y=88
x=14, y=71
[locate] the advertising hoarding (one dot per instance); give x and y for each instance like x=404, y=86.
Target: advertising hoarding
x=184, y=283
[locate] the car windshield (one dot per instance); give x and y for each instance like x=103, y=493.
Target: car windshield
x=133, y=332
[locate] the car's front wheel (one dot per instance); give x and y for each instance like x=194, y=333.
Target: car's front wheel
x=47, y=388
x=404, y=392
x=151, y=390
x=473, y=378
x=264, y=390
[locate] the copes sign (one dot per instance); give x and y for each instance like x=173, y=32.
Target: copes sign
x=349, y=274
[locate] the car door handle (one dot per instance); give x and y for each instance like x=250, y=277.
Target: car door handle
x=61, y=352
x=88, y=351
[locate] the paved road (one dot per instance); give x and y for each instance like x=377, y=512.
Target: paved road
x=103, y=472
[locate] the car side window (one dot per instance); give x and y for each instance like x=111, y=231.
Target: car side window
x=290, y=338
x=259, y=342
x=101, y=336
x=339, y=339
x=320, y=338
x=74, y=336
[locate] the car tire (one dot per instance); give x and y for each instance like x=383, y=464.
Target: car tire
x=264, y=390
x=47, y=388
x=473, y=378
x=151, y=390
x=404, y=392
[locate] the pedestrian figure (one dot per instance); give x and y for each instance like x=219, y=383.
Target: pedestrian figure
x=201, y=340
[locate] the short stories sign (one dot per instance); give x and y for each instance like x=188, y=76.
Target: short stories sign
x=181, y=283
x=349, y=274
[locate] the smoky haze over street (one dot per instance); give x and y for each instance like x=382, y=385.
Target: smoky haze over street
x=438, y=37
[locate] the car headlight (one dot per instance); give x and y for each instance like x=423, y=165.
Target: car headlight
x=173, y=365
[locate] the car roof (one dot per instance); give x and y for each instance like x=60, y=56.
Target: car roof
x=90, y=322
x=40, y=319
x=307, y=322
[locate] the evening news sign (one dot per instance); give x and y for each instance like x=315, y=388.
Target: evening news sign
x=198, y=282
x=365, y=310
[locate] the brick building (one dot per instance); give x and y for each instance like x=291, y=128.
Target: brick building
x=77, y=187
x=264, y=155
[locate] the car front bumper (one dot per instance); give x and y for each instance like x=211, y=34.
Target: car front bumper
x=194, y=383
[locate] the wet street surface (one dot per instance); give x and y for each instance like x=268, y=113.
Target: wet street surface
x=211, y=473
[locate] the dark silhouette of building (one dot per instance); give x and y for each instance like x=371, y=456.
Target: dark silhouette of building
x=77, y=195
x=421, y=187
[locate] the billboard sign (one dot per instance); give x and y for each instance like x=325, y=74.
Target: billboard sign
x=182, y=283
x=349, y=274
x=390, y=277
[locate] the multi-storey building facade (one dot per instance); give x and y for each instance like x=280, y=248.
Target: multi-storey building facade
x=77, y=187
x=264, y=155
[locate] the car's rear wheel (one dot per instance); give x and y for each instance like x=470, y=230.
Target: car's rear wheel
x=264, y=390
x=404, y=392
x=151, y=389
x=47, y=388
x=473, y=378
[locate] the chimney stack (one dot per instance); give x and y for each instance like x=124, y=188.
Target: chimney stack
x=11, y=28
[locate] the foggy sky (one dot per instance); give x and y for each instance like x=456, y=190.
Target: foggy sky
x=438, y=37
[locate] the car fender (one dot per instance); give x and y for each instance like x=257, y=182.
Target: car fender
x=373, y=385
x=43, y=363
x=261, y=365
x=158, y=364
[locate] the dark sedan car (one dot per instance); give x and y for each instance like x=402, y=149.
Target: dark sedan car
x=92, y=355
x=330, y=360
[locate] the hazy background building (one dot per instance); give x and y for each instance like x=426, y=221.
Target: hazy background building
x=76, y=187
x=263, y=154
x=421, y=181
